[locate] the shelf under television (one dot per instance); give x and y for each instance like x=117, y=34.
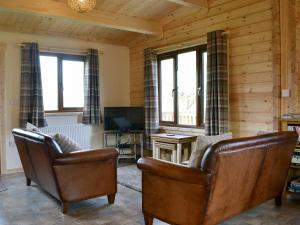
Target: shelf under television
x=292, y=193
x=295, y=166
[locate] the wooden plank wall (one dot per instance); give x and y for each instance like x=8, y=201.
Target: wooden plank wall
x=249, y=24
x=289, y=77
x=276, y=49
x=2, y=109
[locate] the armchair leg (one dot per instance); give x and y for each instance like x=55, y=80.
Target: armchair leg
x=278, y=200
x=148, y=219
x=28, y=181
x=65, y=207
x=111, y=198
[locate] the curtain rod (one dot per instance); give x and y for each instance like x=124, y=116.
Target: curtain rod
x=186, y=44
x=225, y=33
x=61, y=50
x=181, y=45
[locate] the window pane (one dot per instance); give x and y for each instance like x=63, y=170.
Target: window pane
x=187, y=88
x=204, y=69
x=73, y=95
x=49, y=82
x=167, y=86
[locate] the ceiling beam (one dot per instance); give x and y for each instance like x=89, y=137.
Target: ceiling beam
x=191, y=3
x=95, y=17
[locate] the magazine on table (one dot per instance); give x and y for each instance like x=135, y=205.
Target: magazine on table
x=296, y=158
x=295, y=186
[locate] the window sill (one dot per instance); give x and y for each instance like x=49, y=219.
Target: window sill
x=186, y=130
x=50, y=114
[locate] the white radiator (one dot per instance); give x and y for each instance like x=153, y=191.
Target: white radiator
x=78, y=132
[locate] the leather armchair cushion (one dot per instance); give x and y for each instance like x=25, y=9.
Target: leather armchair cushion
x=203, y=143
x=197, y=154
x=66, y=144
x=31, y=127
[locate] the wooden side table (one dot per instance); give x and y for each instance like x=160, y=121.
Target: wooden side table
x=172, y=142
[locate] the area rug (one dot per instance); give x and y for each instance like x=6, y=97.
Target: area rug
x=2, y=186
x=131, y=177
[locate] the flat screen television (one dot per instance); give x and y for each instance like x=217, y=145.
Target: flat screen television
x=124, y=119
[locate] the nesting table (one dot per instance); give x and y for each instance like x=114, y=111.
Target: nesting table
x=180, y=145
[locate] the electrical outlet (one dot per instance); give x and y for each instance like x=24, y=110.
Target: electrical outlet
x=285, y=93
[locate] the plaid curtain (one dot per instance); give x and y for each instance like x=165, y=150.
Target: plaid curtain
x=31, y=93
x=151, y=96
x=91, y=110
x=217, y=84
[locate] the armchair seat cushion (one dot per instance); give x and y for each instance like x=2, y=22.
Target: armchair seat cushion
x=203, y=143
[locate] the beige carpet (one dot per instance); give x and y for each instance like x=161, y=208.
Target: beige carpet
x=130, y=176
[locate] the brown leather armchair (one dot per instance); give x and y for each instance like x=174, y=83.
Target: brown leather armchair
x=69, y=177
x=236, y=175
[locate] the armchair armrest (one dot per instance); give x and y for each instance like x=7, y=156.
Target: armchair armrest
x=86, y=156
x=173, y=171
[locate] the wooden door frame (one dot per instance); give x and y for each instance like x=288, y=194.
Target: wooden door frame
x=2, y=104
x=285, y=74
x=289, y=76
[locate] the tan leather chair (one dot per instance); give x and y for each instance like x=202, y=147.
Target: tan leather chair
x=236, y=175
x=67, y=177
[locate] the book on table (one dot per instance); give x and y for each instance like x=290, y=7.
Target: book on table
x=296, y=158
x=295, y=186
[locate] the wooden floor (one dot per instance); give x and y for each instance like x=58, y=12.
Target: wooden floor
x=22, y=205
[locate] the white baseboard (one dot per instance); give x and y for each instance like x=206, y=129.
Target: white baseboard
x=11, y=171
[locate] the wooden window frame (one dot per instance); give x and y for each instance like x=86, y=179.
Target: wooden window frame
x=200, y=80
x=60, y=58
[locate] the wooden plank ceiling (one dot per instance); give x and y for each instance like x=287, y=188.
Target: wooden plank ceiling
x=112, y=21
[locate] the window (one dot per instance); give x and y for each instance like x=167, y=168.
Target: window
x=62, y=80
x=182, y=87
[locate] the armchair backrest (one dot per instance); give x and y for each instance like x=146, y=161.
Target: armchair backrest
x=246, y=172
x=37, y=152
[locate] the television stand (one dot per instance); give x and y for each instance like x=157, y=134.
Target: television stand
x=135, y=141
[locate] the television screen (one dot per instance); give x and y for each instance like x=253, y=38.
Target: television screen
x=124, y=118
